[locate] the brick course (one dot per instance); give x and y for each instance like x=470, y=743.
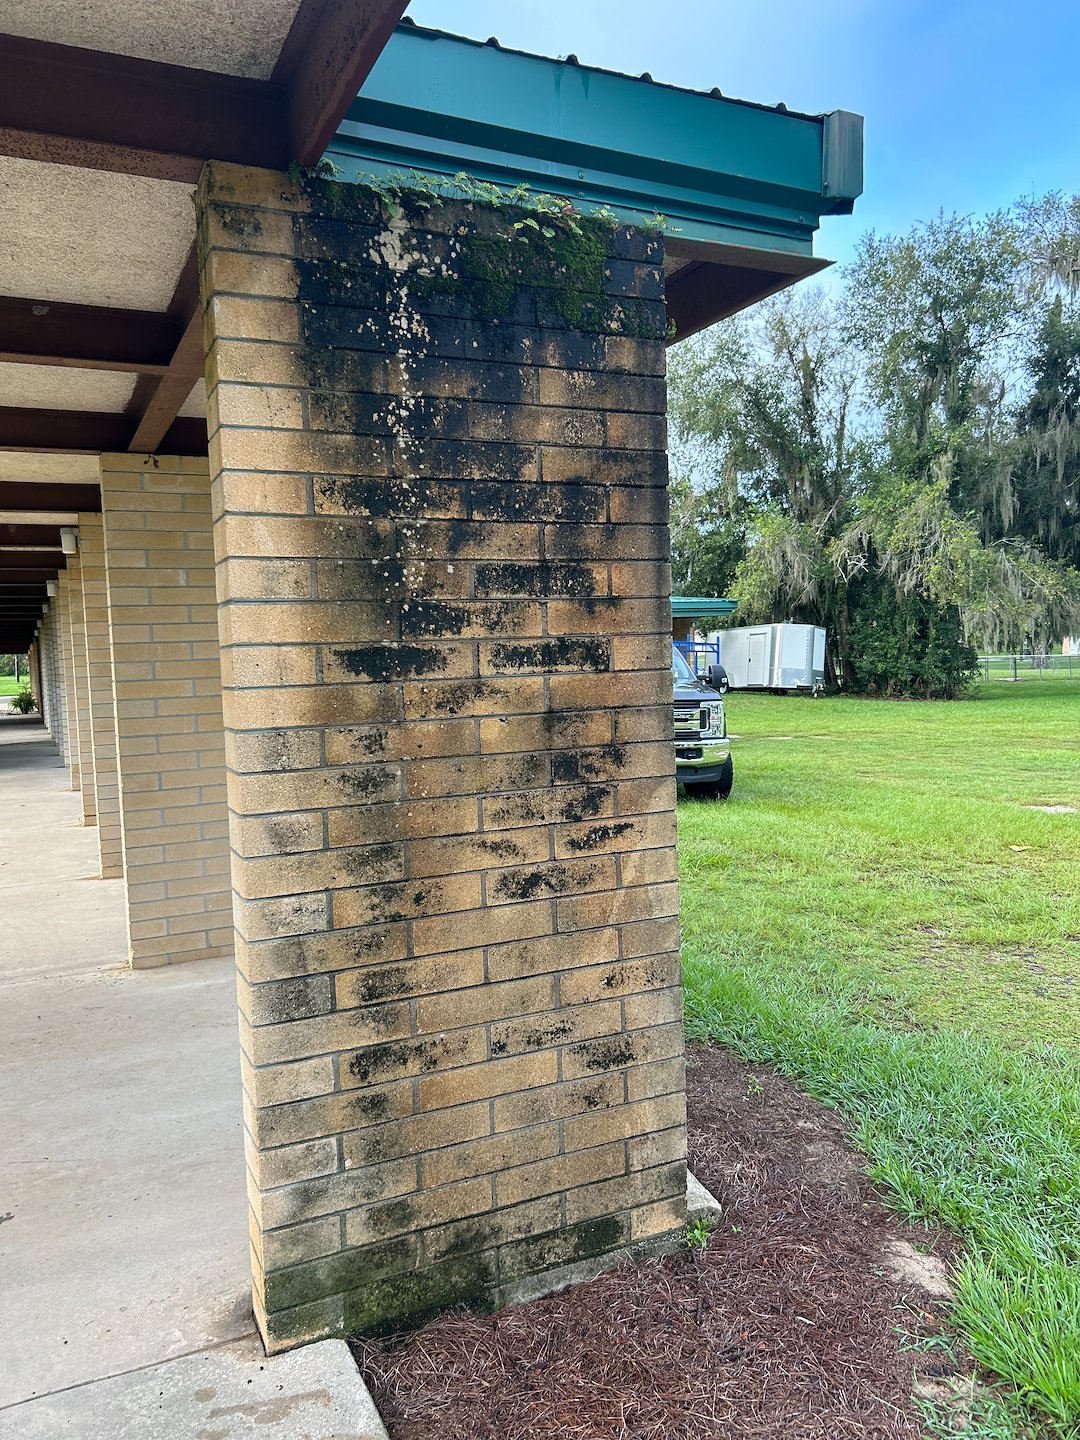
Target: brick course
x=167, y=699
x=441, y=531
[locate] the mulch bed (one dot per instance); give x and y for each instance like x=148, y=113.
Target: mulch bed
x=785, y=1327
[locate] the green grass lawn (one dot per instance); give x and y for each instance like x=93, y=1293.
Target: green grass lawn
x=877, y=913
x=8, y=685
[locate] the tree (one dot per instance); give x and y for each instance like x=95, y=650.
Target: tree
x=901, y=466
x=761, y=410
x=1046, y=466
x=941, y=315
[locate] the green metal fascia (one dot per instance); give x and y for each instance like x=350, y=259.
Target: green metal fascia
x=720, y=170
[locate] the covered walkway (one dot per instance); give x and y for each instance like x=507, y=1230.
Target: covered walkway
x=124, y=1234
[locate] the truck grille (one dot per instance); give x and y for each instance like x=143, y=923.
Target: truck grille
x=690, y=719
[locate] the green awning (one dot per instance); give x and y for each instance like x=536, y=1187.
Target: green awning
x=700, y=607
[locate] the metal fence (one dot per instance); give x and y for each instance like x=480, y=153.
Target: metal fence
x=1030, y=667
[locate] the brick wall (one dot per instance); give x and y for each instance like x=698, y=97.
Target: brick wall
x=82, y=742
x=68, y=654
x=441, y=524
x=53, y=664
x=162, y=605
x=95, y=616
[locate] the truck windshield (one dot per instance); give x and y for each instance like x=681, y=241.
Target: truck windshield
x=680, y=670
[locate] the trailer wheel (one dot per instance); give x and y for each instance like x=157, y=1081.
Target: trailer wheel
x=715, y=789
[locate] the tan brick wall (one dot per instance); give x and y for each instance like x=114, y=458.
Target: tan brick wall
x=445, y=621
x=79, y=691
x=52, y=676
x=68, y=647
x=100, y=693
x=167, y=685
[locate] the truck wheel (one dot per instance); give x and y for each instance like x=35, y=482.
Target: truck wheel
x=715, y=789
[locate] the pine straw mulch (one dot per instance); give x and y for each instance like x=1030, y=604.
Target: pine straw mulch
x=786, y=1327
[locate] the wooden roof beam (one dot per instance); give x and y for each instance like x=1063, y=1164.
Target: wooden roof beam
x=89, y=337
x=89, y=432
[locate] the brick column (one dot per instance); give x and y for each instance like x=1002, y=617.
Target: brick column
x=67, y=655
x=441, y=523
x=55, y=689
x=67, y=587
x=100, y=693
x=35, y=676
x=163, y=609
x=82, y=730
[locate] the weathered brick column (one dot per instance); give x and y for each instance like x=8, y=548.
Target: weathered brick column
x=441, y=524
x=82, y=742
x=95, y=614
x=167, y=682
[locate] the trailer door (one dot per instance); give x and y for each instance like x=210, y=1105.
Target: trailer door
x=757, y=669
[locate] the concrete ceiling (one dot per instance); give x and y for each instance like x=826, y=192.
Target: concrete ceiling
x=195, y=405
x=89, y=237
x=54, y=387
x=231, y=37
x=49, y=469
x=102, y=139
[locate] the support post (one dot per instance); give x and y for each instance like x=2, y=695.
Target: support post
x=100, y=693
x=82, y=727
x=159, y=564
x=441, y=524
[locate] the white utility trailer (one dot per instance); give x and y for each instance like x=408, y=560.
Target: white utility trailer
x=772, y=657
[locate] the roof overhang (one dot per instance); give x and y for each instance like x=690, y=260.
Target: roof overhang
x=108, y=112
x=742, y=187
x=700, y=607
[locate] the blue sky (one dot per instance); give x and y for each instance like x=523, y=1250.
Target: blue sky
x=968, y=105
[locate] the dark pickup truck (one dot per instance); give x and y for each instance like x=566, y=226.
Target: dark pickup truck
x=702, y=750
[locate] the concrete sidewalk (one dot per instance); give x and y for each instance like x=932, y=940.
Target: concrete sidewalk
x=123, y=1218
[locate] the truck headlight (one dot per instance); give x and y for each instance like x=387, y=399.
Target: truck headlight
x=715, y=729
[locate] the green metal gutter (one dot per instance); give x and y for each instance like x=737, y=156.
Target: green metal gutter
x=723, y=172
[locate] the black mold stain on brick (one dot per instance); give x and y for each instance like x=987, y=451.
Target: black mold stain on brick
x=547, y=1035
x=599, y=835
x=391, y=662
x=371, y=1107
x=586, y=764
x=372, y=742
x=535, y=581
x=371, y=861
x=392, y=1057
x=384, y=499
x=387, y=1219
x=367, y=785
x=552, y=880
x=570, y=504
x=562, y=653
x=501, y=849
x=387, y=984
x=614, y=978
x=370, y=943
x=391, y=895
x=433, y=617
x=499, y=1047
x=590, y=803
x=452, y=699
x=595, y=1099
x=610, y=1055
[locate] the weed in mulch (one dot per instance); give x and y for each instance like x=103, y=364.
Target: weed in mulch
x=784, y=1325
